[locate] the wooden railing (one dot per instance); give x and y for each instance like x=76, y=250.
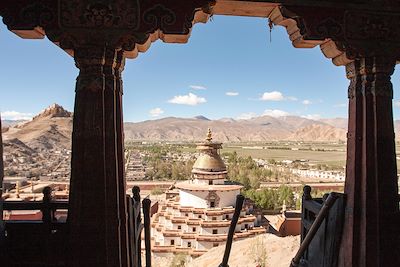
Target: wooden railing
x=47, y=206
x=322, y=223
x=44, y=242
x=47, y=237
x=136, y=227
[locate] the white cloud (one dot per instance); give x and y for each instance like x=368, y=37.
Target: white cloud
x=232, y=93
x=306, y=102
x=342, y=105
x=15, y=115
x=247, y=116
x=397, y=103
x=292, y=98
x=190, y=99
x=275, y=113
x=268, y=112
x=155, y=112
x=197, y=87
x=312, y=117
x=272, y=96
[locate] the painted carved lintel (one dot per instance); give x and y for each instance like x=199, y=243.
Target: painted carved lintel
x=354, y=33
x=122, y=24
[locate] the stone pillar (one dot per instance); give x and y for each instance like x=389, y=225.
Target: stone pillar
x=372, y=207
x=93, y=216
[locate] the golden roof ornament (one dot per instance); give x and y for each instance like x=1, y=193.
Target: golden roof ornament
x=209, y=159
x=209, y=135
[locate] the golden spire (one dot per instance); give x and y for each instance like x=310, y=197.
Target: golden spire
x=209, y=135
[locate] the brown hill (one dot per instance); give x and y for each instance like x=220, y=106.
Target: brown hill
x=336, y=122
x=317, y=132
x=279, y=252
x=52, y=128
x=178, y=129
x=53, y=111
x=265, y=128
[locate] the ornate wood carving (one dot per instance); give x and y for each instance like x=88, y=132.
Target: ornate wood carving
x=159, y=17
x=358, y=33
x=99, y=14
x=120, y=24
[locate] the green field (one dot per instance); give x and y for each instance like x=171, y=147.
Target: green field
x=317, y=153
x=331, y=154
x=332, y=158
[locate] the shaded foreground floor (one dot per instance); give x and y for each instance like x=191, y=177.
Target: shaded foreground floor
x=279, y=252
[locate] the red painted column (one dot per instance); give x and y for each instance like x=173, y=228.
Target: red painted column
x=93, y=216
x=1, y=166
x=372, y=208
x=112, y=168
x=119, y=67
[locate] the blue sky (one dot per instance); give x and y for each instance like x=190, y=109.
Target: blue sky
x=229, y=68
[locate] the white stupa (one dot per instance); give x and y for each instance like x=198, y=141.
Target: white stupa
x=199, y=217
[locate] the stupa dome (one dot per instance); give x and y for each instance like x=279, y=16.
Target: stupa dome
x=209, y=159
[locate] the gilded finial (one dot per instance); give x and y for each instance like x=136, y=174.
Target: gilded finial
x=209, y=135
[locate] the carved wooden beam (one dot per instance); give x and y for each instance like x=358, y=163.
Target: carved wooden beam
x=126, y=25
x=343, y=34
x=133, y=25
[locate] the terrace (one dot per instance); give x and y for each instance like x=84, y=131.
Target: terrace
x=359, y=228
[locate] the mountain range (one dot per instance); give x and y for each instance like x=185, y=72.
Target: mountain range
x=265, y=128
x=53, y=127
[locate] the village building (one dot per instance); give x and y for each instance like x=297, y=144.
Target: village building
x=198, y=218
x=288, y=222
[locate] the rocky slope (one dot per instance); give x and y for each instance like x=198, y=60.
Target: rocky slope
x=315, y=132
x=279, y=252
x=52, y=128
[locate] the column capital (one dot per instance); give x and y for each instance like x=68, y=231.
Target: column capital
x=90, y=60
x=371, y=75
x=118, y=69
